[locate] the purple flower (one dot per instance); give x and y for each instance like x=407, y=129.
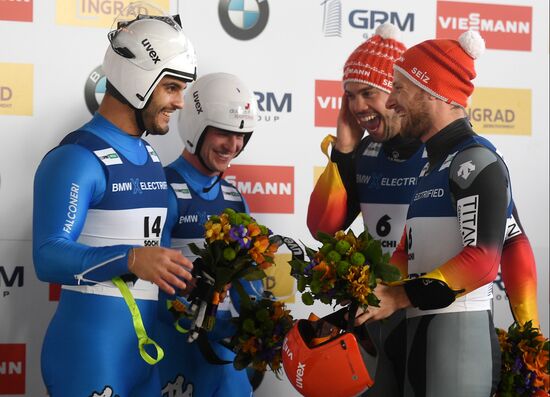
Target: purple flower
x=308, y=268
x=240, y=234
x=518, y=365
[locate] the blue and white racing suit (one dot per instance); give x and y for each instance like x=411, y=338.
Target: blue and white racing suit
x=184, y=371
x=97, y=195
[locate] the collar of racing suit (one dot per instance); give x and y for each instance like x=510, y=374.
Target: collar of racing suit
x=441, y=143
x=399, y=148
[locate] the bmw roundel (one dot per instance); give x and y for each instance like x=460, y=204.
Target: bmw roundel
x=243, y=19
x=94, y=90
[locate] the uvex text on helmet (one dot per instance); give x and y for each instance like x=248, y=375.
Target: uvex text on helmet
x=218, y=100
x=142, y=52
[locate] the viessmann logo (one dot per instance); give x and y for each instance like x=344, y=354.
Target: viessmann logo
x=503, y=27
x=328, y=100
x=16, y=89
x=12, y=368
x=101, y=13
x=16, y=10
x=267, y=189
x=502, y=111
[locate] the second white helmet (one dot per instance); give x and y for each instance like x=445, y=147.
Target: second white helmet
x=218, y=100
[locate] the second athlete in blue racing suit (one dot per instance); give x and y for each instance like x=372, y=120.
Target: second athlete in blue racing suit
x=184, y=368
x=214, y=131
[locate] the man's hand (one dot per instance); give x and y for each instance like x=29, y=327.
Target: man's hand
x=391, y=300
x=348, y=131
x=165, y=267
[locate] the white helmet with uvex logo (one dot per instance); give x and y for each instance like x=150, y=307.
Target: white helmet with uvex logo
x=145, y=49
x=218, y=100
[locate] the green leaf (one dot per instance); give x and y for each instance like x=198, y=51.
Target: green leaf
x=372, y=300
x=262, y=315
x=249, y=326
x=246, y=302
x=224, y=275
x=325, y=238
x=388, y=273
x=309, y=252
x=241, y=361
x=315, y=286
x=297, y=265
x=302, y=281
x=372, y=280
x=373, y=251
x=307, y=299
x=326, y=300
x=254, y=274
x=195, y=249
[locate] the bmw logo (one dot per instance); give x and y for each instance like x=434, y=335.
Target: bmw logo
x=94, y=89
x=243, y=19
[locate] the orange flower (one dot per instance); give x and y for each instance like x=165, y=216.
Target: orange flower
x=259, y=366
x=260, y=246
x=358, y=276
x=278, y=310
x=225, y=234
x=213, y=231
x=253, y=229
x=257, y=257
x=328, y=271
x=250, y=346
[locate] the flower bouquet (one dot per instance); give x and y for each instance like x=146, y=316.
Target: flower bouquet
x=346, y=268
x=236, y=247
x=261, y=329
x=524, y=366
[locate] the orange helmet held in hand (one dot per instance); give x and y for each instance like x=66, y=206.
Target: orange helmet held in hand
x=331, y=364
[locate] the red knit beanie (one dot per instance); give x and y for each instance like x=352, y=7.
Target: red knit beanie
x=444, y=68
x=372, y=62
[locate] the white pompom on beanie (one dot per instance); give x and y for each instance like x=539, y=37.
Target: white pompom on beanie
x=444, y=68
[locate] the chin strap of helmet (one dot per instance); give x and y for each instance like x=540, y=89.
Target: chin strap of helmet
x=138, y=114
x=207, y=189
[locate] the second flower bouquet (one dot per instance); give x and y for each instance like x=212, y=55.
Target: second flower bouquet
x=344, y=269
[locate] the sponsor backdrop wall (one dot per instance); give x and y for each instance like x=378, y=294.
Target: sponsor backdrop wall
x=291, y=54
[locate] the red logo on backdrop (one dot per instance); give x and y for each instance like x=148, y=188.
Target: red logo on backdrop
x=12, y=368
x=20, y=10
x=503, y=27
x=328, y=100
x=55, y=292
x=267, y=189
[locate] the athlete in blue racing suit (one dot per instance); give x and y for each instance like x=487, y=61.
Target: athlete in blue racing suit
x=98, y=198
x=214, y=132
